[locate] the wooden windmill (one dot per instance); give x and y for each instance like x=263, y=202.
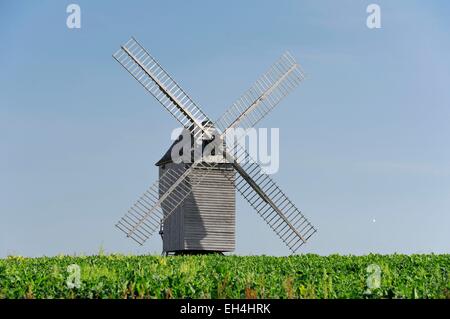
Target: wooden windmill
x=193, y=204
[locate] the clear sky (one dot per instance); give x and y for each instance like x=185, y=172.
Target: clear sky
x=365, y=147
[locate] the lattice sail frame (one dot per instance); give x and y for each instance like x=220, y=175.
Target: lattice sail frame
x=141, y=220
x=276, y=83
x=149, y=73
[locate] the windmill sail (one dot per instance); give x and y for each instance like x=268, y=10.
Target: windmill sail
x=277, y=210
x=159, y=201
x=258, y=188
x=263, y=96
x=149, y=73
x=144, y=217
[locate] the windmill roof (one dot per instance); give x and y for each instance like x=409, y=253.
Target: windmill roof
x=167, y=157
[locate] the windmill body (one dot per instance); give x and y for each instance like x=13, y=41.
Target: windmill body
x=206, y=220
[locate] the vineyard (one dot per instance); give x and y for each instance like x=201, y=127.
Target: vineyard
x=212, y=276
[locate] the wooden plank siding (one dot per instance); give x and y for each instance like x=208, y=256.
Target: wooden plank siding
x=207, y=219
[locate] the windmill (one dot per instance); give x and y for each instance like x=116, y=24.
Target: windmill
x=165, y=205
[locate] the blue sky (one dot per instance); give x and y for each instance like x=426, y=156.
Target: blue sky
x=364, y=138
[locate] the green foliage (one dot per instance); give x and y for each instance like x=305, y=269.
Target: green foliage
x=214, y=276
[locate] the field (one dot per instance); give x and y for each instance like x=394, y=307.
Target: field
x=212, y=276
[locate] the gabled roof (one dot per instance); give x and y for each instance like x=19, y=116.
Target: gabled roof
x=167, y=157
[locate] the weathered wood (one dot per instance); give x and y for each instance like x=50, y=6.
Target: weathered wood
x=206, y=220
